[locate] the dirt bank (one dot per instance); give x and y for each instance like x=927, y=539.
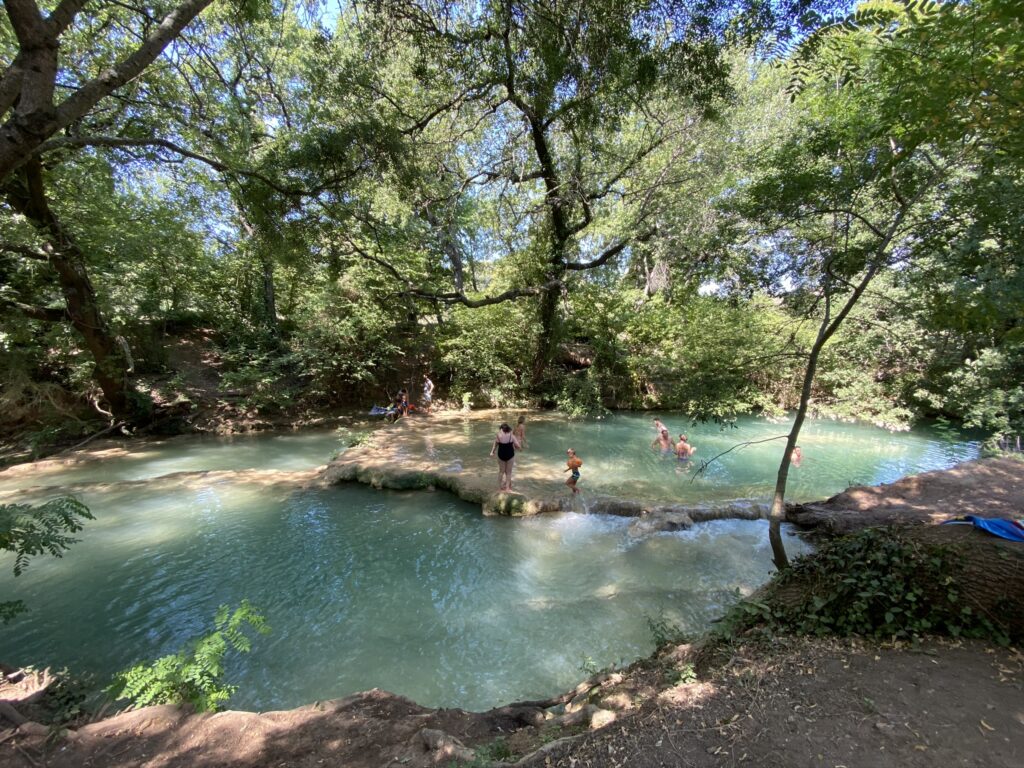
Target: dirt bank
x=987, y=488
x=791, y=702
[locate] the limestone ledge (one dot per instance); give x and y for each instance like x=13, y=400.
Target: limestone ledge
x=651, y=516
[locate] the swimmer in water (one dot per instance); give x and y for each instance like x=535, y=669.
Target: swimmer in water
x=683, y=449
x=663, y=442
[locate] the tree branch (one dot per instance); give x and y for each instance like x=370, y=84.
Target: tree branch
x=461, y=298
x=24, y=250
x=611, y=251
x=35, y=119
x=45, y=314
x=115, y=141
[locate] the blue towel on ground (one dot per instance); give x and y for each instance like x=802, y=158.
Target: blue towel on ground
x=1005, y=529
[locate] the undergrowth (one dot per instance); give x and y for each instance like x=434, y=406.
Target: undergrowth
x=876, y=583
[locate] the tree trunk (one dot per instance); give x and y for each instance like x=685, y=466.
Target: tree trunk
x=111, y=365
x=828, y=327
x=546, y=342
x=269, y=298
x=778, y=513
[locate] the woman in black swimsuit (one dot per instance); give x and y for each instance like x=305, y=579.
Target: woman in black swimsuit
x=505, y=443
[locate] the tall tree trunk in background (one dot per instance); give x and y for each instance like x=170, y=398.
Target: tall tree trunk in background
x=269, y=298
x=546, y=342
x=450, y=247
x=111, y=362
x=264, y=312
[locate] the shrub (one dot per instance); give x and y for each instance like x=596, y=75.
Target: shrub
x=876, y=583
x=579, y=395
x=195, y=675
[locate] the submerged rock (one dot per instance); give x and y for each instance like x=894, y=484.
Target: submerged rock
x=660, y=521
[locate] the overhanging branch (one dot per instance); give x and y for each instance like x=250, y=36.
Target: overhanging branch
x=610, y=252
x=116, y=142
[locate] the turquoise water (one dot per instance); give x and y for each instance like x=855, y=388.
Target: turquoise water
x=618, y=459
x=276, y=451
x=413, y=592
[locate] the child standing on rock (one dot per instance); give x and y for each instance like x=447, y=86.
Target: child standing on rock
x=574, y=465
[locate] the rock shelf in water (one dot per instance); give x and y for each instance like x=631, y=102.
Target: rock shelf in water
x=412, y=455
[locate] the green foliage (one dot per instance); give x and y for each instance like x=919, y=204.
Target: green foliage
x=494, y=751
x=682, y=674
x=10, y=609
x=708, y=356
x=579, y=395
x=664, y=631
x=65, y=700
x=876, y=583
x=343, y=340
x=588, y=665
x=267, y=379
x=487, y=352
x=28, y=531
x=194, y=675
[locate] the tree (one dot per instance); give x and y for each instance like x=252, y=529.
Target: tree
x=864, y=184
x=575, y=97
x=29, y=82
x=28, y=87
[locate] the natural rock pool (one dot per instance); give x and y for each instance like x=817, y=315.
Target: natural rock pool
x=414, y=592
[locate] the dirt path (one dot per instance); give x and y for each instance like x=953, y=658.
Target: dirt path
x=828, y=703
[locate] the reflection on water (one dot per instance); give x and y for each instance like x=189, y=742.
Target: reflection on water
x=412, y=592
x=277, y=451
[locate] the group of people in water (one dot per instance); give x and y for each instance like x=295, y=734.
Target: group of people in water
x=511, y=439
x=663, y=442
